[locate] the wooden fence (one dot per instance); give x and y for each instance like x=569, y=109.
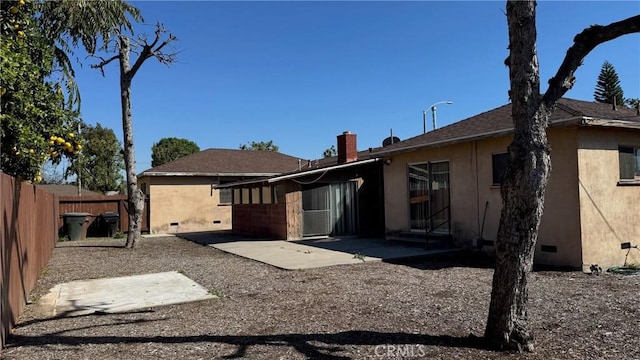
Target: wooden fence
x=96, y=205
x=29, y=225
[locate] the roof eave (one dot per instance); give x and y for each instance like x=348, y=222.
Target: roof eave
x=206, y=174
x=627, y=124
x=277, y=178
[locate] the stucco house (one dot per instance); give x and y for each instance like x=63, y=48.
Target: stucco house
x=448, y=182
x=181, y=193
x=336, y=196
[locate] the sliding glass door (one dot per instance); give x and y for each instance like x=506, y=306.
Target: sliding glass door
x=429, y=196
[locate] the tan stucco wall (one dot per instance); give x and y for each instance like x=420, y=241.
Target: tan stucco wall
x=187, y=201
x=471, y=188
x=610, y=213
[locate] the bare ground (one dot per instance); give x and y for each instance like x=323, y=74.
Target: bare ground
x=430, y=308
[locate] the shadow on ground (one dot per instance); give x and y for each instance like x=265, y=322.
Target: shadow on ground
x=465, y=258
x=206, y=238
x=313, y=346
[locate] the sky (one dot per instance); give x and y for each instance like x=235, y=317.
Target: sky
x=300, y=73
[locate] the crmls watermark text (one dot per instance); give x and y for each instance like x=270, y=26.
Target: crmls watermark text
x=400, y=351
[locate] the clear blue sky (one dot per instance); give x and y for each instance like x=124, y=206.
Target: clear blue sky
x=300, y=73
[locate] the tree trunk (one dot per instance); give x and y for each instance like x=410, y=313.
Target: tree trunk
x=523, y=187
x=135, y=201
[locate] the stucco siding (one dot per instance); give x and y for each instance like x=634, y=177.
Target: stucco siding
x=462, y=183
x=185, y=204
x=610, y=213
x=472, y=189
x=560, y=225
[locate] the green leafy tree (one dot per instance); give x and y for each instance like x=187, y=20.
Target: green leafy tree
x=100, y=166
x=329, y=152
x=608, y=87
x=36, y=126
x=73, y=23
x=632, y=103
x=169, y=149
x=261, y=146
x=39, y=98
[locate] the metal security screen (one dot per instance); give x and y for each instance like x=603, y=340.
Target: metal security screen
x=316, y=211
x=330, y=209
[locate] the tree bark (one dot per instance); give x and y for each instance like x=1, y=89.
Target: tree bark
x=134, y=195
x=529, y=164
x=523, y=187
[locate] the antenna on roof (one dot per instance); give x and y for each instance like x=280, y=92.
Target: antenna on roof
x=390, y=140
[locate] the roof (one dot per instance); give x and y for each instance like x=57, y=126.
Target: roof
x=497, y=122
x=227, y=162
x=66, y=190
x=333, y=160
x=321, y=169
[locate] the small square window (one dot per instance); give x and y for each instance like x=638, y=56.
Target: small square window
x=629, y=157
x=499, y=166
x=225, y=196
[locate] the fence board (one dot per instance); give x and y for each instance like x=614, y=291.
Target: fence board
x=28, y=223
x=96, y=205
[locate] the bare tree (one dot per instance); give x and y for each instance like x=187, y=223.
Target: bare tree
x=145, y=50
x=529, y=164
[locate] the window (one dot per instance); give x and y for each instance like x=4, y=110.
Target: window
x=225, y=196
x=237, y=196
x=266, y=195
x=629, y=162
x=499, y=166
x=255, y=195
x=246, y=196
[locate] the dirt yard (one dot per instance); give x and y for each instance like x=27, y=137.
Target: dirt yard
x=434, y=308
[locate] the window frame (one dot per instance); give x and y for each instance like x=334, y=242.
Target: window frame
x=504, y=158
x=229, y=196
x=634, y=154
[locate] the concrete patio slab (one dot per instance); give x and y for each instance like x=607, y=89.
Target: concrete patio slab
x=121, y=294
x=306, y=254
x=289, y=255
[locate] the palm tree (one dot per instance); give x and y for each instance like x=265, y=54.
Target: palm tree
x=70, y=23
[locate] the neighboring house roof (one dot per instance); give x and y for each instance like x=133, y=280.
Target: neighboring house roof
x=227, y=162
x=66, y=190
x=498, y=122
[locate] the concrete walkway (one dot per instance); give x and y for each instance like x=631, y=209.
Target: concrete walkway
x=306, y=254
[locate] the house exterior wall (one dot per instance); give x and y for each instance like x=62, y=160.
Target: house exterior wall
x=610, y=213
x=187, y=201
x=472, y=189
x=284, y=219
x=261, y=220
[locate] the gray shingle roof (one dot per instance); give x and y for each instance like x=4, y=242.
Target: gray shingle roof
x=498, y=122
x=227, y=161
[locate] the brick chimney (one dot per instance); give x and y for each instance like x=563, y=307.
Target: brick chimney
x=347, y=148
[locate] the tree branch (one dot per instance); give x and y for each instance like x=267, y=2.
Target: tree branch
x=104, y=63
x=583, y=43
x=154, y=50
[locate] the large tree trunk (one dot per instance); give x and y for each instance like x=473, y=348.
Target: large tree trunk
x=523, y=187
x=135, y=200
x=529, y=164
